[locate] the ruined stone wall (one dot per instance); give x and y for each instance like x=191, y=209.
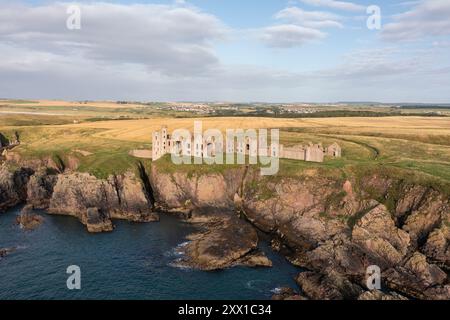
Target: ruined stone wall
x=162, y=144
x=334, y=150
x=156, y=152
x=294, y=153
x=314, y=153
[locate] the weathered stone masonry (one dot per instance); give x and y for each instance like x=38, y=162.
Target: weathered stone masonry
x=163, y=143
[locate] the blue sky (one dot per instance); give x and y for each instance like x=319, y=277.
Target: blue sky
x=227, y=50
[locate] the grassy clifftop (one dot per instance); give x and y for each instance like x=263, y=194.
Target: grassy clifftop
x=408, y=147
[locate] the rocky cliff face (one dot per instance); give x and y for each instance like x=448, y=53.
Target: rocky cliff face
x=223, y=241
x=13, y=186
x=336, y=228
x=179, y=190
x=93, y=201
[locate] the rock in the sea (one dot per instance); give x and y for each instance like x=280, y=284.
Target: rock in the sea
x=97, y=221
x=224, y=241
x=287, y=294
x=29, y=221
x=255, y=259
x=276, y=244
x=118, y=197
x=5, y=251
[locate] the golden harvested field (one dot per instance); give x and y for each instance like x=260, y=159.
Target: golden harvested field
x=140, y=130
x=416, y=145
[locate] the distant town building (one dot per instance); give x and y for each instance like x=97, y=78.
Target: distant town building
x=199, y=146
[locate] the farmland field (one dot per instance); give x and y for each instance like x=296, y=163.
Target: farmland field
x=412, y=145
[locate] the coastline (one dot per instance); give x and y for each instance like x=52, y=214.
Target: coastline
x=332, y=227
x=136, y=261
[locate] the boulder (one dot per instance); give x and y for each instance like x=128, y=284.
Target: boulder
x=427, y=216
x=97, y=221
x=5, y=251
x=332, y=286
x=287, y=294
x=379, y=295
x=255, y=259
x=428, y=274
x=224, y=241
x=29, y=221
x=437, y=246
x=418, y=278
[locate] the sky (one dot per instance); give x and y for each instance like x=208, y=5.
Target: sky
x=226, y=50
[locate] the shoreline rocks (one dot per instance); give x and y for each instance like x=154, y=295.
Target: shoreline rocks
x=13, y=184
x=287, y=294
x=332, y=286
x=97, y=221
x=29, y=221
x=223, y=241
x=332, y=226
x=5, y=251
x=97, y=202
x=379, y=295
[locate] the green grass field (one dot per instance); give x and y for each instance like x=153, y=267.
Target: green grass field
x=416, y=147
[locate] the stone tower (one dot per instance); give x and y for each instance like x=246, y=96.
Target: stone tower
x=160, y=143
x=314, y=153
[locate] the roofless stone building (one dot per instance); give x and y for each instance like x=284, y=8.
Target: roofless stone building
x=163, y=143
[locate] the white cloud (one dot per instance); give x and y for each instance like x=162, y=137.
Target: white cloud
x=299, y=27
x=289, y=35
x=428, y=18
x=167, y=39
x=167, y=52
x=312, y=19
x=340, y=5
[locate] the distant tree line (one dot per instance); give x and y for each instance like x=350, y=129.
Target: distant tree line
x=318, y=114
x=444, y=107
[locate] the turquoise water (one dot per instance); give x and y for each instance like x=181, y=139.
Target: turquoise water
x=133, y=262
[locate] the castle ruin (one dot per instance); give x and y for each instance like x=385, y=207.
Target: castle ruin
x=201, y=147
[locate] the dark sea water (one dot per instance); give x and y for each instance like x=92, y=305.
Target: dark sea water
x=133, y=262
